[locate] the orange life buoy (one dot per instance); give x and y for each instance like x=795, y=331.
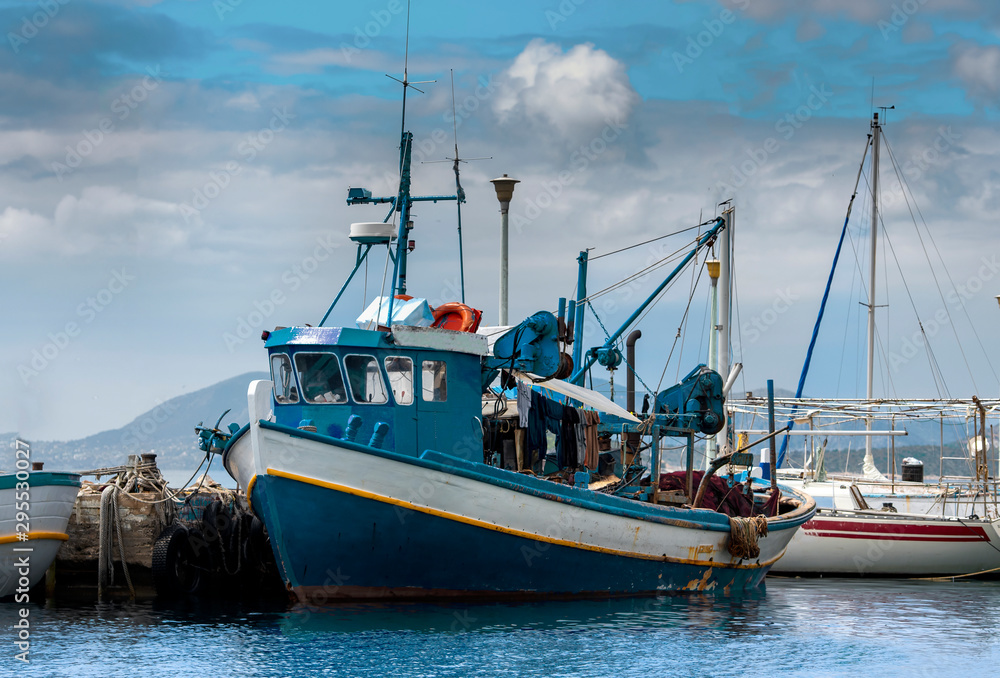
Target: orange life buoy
x=456, y=316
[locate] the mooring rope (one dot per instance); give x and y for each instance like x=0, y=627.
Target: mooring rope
x=743, y=535
x=121, y=542
x=110, y=524
x=105, y=564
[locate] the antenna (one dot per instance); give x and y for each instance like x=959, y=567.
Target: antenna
x=403, y=201
x=459, y=191
x=405, y=82
x=884, y=109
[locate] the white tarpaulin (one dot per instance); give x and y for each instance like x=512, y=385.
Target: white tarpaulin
x=583, y=395
x=493, y=333
x=413, y=312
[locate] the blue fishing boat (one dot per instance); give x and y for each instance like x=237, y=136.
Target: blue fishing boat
x=384, y=463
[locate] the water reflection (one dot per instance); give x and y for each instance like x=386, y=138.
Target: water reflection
x=634, y=615
x=797, y=628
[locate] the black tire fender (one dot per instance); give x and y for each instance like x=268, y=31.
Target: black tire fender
x=178, y=566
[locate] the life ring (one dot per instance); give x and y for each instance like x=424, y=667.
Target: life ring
x=456, y=316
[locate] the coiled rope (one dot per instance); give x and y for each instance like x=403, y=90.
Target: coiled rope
x=743, y=535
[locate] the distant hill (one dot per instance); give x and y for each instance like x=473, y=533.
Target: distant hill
x=167, y=430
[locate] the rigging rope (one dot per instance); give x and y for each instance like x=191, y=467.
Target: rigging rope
x=695, y=277
x=930, y=352
x=680, y=329
x=822, y=308
x=895, y=167
x=646, y=242
x=658, y=264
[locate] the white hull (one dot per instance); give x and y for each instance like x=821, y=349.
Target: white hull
x=953, y=500
x=875, y=543
x=49, y=509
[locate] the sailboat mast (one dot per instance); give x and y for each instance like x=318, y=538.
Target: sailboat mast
x=876, y=143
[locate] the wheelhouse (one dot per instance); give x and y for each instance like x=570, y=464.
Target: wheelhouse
x=420, y=382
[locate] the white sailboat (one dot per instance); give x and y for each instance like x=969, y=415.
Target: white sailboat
x=942, y=529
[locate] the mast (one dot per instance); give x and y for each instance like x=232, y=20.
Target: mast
x=578, y=319
x=725, y=312
x=869, y=393
x=713, y=345
x=403, y=201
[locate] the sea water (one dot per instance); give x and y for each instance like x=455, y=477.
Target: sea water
x=797, y=627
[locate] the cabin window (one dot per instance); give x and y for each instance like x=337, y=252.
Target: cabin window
x=321, y=378
x=284, y=383
x=400, y=373
x=434, y=381
x=365, y=379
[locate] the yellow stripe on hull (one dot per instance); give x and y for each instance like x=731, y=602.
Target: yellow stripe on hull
x=505, y=530
x=253, y=481
x=58, y=536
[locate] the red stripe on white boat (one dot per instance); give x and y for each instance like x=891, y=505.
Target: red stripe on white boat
x=891, y=530
x=890, y=537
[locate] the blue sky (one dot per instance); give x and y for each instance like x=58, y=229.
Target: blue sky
x=170, y=168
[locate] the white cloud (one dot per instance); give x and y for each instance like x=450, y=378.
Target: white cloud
x=572, y=94
x=869, y=11
x=16, y=222
x=317, y=60
x=104, y=215
x=979, y=70
x=102, y=219
x=246, y=101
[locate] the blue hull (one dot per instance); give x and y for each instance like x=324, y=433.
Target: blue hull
x=337, y=545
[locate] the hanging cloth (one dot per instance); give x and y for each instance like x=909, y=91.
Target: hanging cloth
x=537, y=442
x=523, y=403
x=592, y=419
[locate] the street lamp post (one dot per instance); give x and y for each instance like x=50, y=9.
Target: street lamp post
x=505, y=191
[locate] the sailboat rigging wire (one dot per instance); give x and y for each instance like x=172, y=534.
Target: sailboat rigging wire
x=646, y=242
x=826, y=294
x=890, y=387
x=930, y=351
x=917, y=315
x=843, y=342
x=906, y=189
x=857, y=258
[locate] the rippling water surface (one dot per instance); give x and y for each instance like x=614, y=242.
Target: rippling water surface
x=820, y=627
